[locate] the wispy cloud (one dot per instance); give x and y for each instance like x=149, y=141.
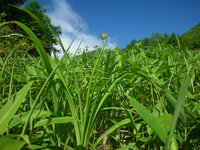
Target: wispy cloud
x=71, y=23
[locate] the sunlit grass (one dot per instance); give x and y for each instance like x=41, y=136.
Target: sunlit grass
x=131, y=99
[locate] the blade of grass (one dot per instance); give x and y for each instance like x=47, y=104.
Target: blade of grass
x=87, y=105
x=179, y=105
x=69, y=96
x=55, y=120
x=11, y=107
x=43, y=87
x=38, y=45
x=156, y=126
x=7, y=58
x=112, y=129
x=97, y=109
x=22, y=117
x=172, y=101
x=41, y=25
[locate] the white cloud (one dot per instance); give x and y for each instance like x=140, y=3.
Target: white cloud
x=71, y=23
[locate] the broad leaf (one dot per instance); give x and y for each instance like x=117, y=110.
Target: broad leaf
x=56, y=120
x=7, y=143
x=156, y=126
x=11, y=107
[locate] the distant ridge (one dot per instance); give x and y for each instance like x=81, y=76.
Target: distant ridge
x=191, y=38
x=188, y=40
x=193, y=31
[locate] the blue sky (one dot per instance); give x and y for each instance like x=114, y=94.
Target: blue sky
x=122, y=20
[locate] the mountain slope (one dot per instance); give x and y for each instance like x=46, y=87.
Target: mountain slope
x=191, y=38
x=193, y=31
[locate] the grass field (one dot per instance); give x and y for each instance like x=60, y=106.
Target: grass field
x=104, y=99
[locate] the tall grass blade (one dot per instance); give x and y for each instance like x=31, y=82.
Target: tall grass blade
x=38, y=45
x=11, y=107
x=156, y=126
x=55, y=120
x=112, y=129
x=179, y=105
x=85, y=134
x=44, y=86
x=23, y=116
x=95, y=110
x=172, y=101
x=41, y=25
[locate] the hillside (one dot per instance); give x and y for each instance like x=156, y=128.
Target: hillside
x=191, y=38
x=193, y=31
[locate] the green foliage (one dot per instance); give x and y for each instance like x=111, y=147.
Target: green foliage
x=105, y=99
x=156, y=41
x=44, y=32
x=149, y=119
x=10, y=142
x=10, y=39
x=190, y=40
x=8, y=9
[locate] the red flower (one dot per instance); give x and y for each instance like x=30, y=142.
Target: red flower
x=1, y=50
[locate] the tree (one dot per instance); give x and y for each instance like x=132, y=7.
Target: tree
x=9, y=10
x=44, y=34
x=190, y=39
x=157, y=36
x=5, y=4
x=173, y=39
x=131, y=45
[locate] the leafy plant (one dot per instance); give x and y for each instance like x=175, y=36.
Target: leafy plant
x=105, y=99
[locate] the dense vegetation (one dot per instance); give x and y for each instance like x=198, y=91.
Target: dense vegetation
x=189, y=40
x=12, y=32
x=137, y=98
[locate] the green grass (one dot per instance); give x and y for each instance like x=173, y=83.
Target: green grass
x=111, y=99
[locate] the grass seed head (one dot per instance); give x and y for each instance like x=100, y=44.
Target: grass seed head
x=104, y=36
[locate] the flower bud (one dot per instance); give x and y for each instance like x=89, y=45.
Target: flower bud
x=103, y=36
